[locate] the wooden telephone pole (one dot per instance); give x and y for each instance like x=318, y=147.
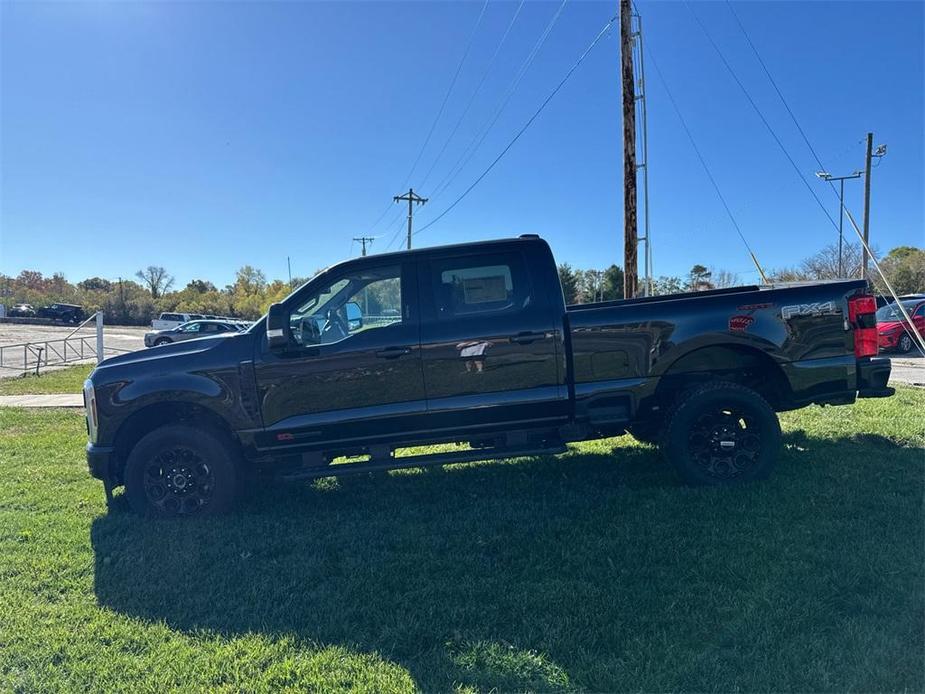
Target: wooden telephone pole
x=412, y=198
x=630, y=233
x=364, y=240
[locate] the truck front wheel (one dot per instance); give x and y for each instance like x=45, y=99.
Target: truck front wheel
x=721, y=433
x=179, y=471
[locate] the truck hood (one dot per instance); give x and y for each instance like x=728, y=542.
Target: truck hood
x=168, y=357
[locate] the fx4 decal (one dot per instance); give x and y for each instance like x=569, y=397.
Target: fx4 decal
x=814, y=309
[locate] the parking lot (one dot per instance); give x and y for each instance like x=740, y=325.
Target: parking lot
x=116, y=338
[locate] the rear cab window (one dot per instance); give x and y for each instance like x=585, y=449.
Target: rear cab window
x=478, y=285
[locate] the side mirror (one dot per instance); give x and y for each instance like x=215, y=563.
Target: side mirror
x=354, y=316
x=277, y=328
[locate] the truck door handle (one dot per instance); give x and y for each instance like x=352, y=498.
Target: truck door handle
x=393, y=352
x=525, y=338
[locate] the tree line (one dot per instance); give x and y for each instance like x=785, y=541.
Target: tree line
x=131, y=302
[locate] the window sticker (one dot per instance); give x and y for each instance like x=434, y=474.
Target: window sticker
x=482, y=290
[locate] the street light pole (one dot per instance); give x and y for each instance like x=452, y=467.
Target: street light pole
x=825, y=176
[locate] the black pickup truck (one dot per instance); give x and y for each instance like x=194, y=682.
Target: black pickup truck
x=473, y=344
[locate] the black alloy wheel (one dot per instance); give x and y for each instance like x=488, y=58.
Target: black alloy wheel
x=721, y=433
x=725, y=442
x=178, y=482
x=183, y=470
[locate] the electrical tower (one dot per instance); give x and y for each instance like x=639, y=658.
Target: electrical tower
x=364, y=240
x=412, y=198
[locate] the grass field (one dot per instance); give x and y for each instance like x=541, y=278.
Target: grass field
x=68, y=380
x=591, y=571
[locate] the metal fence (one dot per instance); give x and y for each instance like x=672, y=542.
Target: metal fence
x=26, y=357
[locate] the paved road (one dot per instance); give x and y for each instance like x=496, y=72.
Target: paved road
x=56, y=400
x=115, y=337
x=908, y=368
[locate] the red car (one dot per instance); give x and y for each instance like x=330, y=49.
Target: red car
x=892, y=328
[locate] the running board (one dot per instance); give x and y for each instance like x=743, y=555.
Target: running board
x=379, y=464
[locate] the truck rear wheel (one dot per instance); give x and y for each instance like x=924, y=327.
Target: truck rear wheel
x=721, y=433
x=180, y=471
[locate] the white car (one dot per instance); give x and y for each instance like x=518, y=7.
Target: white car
x=166, y=321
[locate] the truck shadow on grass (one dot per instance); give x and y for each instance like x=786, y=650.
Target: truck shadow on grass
x=594, y=570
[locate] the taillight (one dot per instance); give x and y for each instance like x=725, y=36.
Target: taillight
x=862, y=314
x=861, y=306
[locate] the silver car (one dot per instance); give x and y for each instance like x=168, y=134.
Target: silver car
x=190, y=331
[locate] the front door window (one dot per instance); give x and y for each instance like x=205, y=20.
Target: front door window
x=361, y=301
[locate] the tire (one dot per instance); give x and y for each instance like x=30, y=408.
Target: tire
x=647, y=432
x=181, y=471
x=721, y=433
x=904, y=345
x=162, y=341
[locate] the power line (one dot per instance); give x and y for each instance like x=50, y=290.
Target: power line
x=475, y=92
x=703, y=163
x=538, y=111
x=400, y=218
x=479, y=137
x=446, y=96
x=774, y=84
x=760, y=114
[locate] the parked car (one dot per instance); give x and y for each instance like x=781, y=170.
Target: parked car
x=479, y=348
x=69, y=313
x=169, y=320
x=22, y=311
x=893, y=329
x=189, y=331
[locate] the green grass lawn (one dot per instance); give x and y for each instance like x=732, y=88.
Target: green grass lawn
x=591, y=571
x=67, y=380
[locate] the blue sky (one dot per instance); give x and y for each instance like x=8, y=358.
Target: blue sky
x=205, y=135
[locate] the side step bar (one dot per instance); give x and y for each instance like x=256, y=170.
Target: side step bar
x=380, y=464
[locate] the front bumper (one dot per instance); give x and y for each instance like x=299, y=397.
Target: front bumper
x=98, y=460
x=873, y=376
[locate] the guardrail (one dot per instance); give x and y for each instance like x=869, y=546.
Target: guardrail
x=26, y=357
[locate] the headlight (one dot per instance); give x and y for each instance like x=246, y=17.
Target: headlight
x=90, y=406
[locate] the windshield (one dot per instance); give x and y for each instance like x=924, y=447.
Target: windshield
x=891, y=312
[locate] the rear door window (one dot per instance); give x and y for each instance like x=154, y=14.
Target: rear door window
x=480, y=284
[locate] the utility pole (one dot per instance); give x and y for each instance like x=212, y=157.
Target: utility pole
x=289, y=268
x=630, y=233
x=880, y=151
x=364, y=240
x=644, y=151
x=870, y=145
x=825, y=176
x=412, y=198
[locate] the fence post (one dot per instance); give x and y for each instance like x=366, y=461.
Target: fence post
x=99, y=337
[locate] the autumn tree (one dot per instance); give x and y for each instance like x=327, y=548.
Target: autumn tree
x=95, y=284
x=200, y=286
x=156, y=279
x=723, y=279
x=904, y=267
x=698, y=279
